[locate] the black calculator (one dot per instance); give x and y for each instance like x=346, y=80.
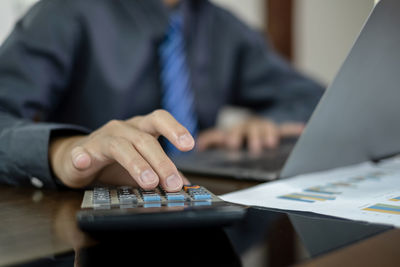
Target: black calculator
x=125, y=208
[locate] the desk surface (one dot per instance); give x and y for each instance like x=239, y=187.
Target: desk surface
x=35, y=224
x=380, y=250
x=40, y=223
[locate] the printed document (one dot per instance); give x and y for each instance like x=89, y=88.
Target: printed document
x=364, y=192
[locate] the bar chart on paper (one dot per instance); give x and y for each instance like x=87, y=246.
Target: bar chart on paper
x=329, y=190
x=306, y=197
x=364, y=192
x=384, y=208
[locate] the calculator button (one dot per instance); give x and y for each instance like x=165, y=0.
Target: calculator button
x=201, y=196
x=198, y=193
x=101, y=189
x=101, y=196
x=126, y=195
x=174, y=196
x=202, y=203
x=188, y=188
x=152, y=205
x=150, y=195
x=151, y=198
x=127, y=199
x=101, y=201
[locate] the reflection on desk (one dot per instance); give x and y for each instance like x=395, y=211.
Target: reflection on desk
x=36, y=224
x=380, y=250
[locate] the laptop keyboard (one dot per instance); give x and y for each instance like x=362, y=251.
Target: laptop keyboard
x=263, y=163
x=239, y=164
x=269, y=160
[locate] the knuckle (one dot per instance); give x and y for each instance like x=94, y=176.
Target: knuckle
x=112, y=124
x=143, y=140
x=95, y=137
x=166, y=166
x=138, y=165
x=136, y=121
x=115, y=144
x=159, y=113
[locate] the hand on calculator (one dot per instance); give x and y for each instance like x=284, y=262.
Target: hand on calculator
x=123, y=153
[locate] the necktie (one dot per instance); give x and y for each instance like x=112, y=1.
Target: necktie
x=177, y=94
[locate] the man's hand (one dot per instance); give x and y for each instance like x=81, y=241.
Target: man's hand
x=122, y=152
x=259, y=133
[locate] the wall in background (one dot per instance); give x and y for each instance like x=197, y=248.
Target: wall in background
x=6, y=18
x=325, y=30
x=250, y=11
x=10, y=11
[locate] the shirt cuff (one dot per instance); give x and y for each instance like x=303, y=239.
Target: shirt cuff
x=30, y=152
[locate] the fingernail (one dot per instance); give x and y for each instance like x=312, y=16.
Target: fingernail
x=174, y=181
x=78, y=158
x=148, y=177
x=185, y=140
x=81, y=160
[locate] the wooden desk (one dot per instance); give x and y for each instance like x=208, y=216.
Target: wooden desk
x=381, y=250
x=36, y=224
x=40, y=223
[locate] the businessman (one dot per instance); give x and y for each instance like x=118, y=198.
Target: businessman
x=88, y=88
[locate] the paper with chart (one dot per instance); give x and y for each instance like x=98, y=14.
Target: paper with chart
x=364, y=192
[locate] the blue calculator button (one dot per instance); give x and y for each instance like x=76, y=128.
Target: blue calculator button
x=151, y=205
x=151, y=198
x=201, y=196
x=202, y=203
x=178, y=197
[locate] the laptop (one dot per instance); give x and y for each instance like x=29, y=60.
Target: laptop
x=338, y=133
x=358, y=117
x=240, y=164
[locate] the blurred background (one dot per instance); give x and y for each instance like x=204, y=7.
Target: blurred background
x=315, y=35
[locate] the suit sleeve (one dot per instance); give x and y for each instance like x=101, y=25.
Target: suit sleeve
x=35, y=64
x=268, y=83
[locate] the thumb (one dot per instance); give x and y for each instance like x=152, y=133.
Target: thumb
x=81, y=158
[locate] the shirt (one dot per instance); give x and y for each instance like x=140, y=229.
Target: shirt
x=74, y=65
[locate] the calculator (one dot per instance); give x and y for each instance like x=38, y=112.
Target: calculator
x=125, y=208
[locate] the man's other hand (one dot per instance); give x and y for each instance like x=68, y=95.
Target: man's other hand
x=259, y=133
x=122, y=152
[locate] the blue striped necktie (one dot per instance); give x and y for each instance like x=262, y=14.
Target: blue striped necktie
x=177, y=94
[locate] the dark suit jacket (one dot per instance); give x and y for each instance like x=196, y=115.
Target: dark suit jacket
x=76, y=64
